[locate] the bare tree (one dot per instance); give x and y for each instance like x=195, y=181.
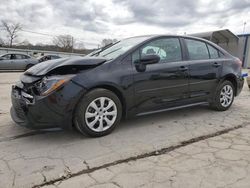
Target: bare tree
x=66, y=42
x=106, y=42
x=25, y=43
x=79, y=45
x=1, y=42
x=12, y=30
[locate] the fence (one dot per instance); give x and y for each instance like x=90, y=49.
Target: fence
x=37, y=52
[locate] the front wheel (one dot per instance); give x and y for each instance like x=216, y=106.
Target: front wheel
x=98, y=113
x=224, y=96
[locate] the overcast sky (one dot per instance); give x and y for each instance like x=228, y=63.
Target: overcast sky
x=90, y=21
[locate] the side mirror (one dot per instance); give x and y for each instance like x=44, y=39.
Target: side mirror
x=146, y=60
x=150, y=59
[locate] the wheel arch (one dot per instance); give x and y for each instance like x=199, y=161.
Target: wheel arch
x=117, y=92
x=232, y=78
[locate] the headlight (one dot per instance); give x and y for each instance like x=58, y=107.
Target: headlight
x=52, y=83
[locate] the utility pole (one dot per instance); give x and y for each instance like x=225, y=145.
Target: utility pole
x=244, y=27
x=72, y=40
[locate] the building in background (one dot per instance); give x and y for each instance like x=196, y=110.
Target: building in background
x=245, y=49
x=238, y=46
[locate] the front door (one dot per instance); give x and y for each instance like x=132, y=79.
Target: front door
x=163, y=84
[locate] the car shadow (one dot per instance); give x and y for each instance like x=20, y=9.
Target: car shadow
x=58, y=135
x=171, y=115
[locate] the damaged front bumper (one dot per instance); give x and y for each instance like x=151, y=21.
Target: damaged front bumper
x=42, y=112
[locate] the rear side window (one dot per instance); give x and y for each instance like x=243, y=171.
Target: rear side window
x=25, y=57
x=18, y=56
x=214, y=53
x=197, y=50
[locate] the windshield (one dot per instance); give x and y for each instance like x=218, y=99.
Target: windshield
x=120, y=47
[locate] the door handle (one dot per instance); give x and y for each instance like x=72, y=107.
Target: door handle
x=183, y=68
x=216, y=64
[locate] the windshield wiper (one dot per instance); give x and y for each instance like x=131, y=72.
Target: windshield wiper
x=98, y=51
x=112, y=52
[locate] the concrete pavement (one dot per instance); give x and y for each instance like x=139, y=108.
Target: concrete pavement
x=34, y=158
x=221, y=161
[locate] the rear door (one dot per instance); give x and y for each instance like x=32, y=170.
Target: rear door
x=204, y=68
x=19, y=62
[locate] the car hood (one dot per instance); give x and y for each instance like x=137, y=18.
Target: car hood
x=46, y=67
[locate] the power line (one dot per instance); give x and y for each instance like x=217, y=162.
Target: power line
x=46, y=34
x=50, y=35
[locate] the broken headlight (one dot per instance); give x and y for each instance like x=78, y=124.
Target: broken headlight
x=52, y=83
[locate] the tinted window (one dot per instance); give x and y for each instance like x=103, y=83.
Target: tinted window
x=197, y=50
x=25, y=57
x=168, y=49
x=214, y=54
x=18, y=56
x=54, y=57
x=12, y=56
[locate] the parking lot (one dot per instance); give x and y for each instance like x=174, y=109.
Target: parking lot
x=37, y=158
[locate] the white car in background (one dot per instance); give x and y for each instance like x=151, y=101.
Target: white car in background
x=16, y=61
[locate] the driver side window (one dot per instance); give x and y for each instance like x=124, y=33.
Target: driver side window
x=153, y=49
x=168, y=49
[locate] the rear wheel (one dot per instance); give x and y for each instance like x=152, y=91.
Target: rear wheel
x=223, y=97
x=98, y=113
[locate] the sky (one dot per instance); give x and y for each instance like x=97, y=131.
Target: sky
x=90, y=21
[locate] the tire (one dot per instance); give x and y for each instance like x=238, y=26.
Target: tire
x=94, y=120
x=224, y=96
x=28, y=66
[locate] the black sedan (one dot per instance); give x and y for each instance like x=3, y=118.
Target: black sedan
x=133, y=77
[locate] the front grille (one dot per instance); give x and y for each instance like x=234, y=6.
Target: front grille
x=19, y=112
x=18, y=109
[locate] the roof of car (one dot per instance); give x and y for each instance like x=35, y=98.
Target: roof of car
x=14, y=54
x=167, y=35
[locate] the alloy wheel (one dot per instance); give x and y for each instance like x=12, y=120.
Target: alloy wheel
x=226, y=96
x=101, y=114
